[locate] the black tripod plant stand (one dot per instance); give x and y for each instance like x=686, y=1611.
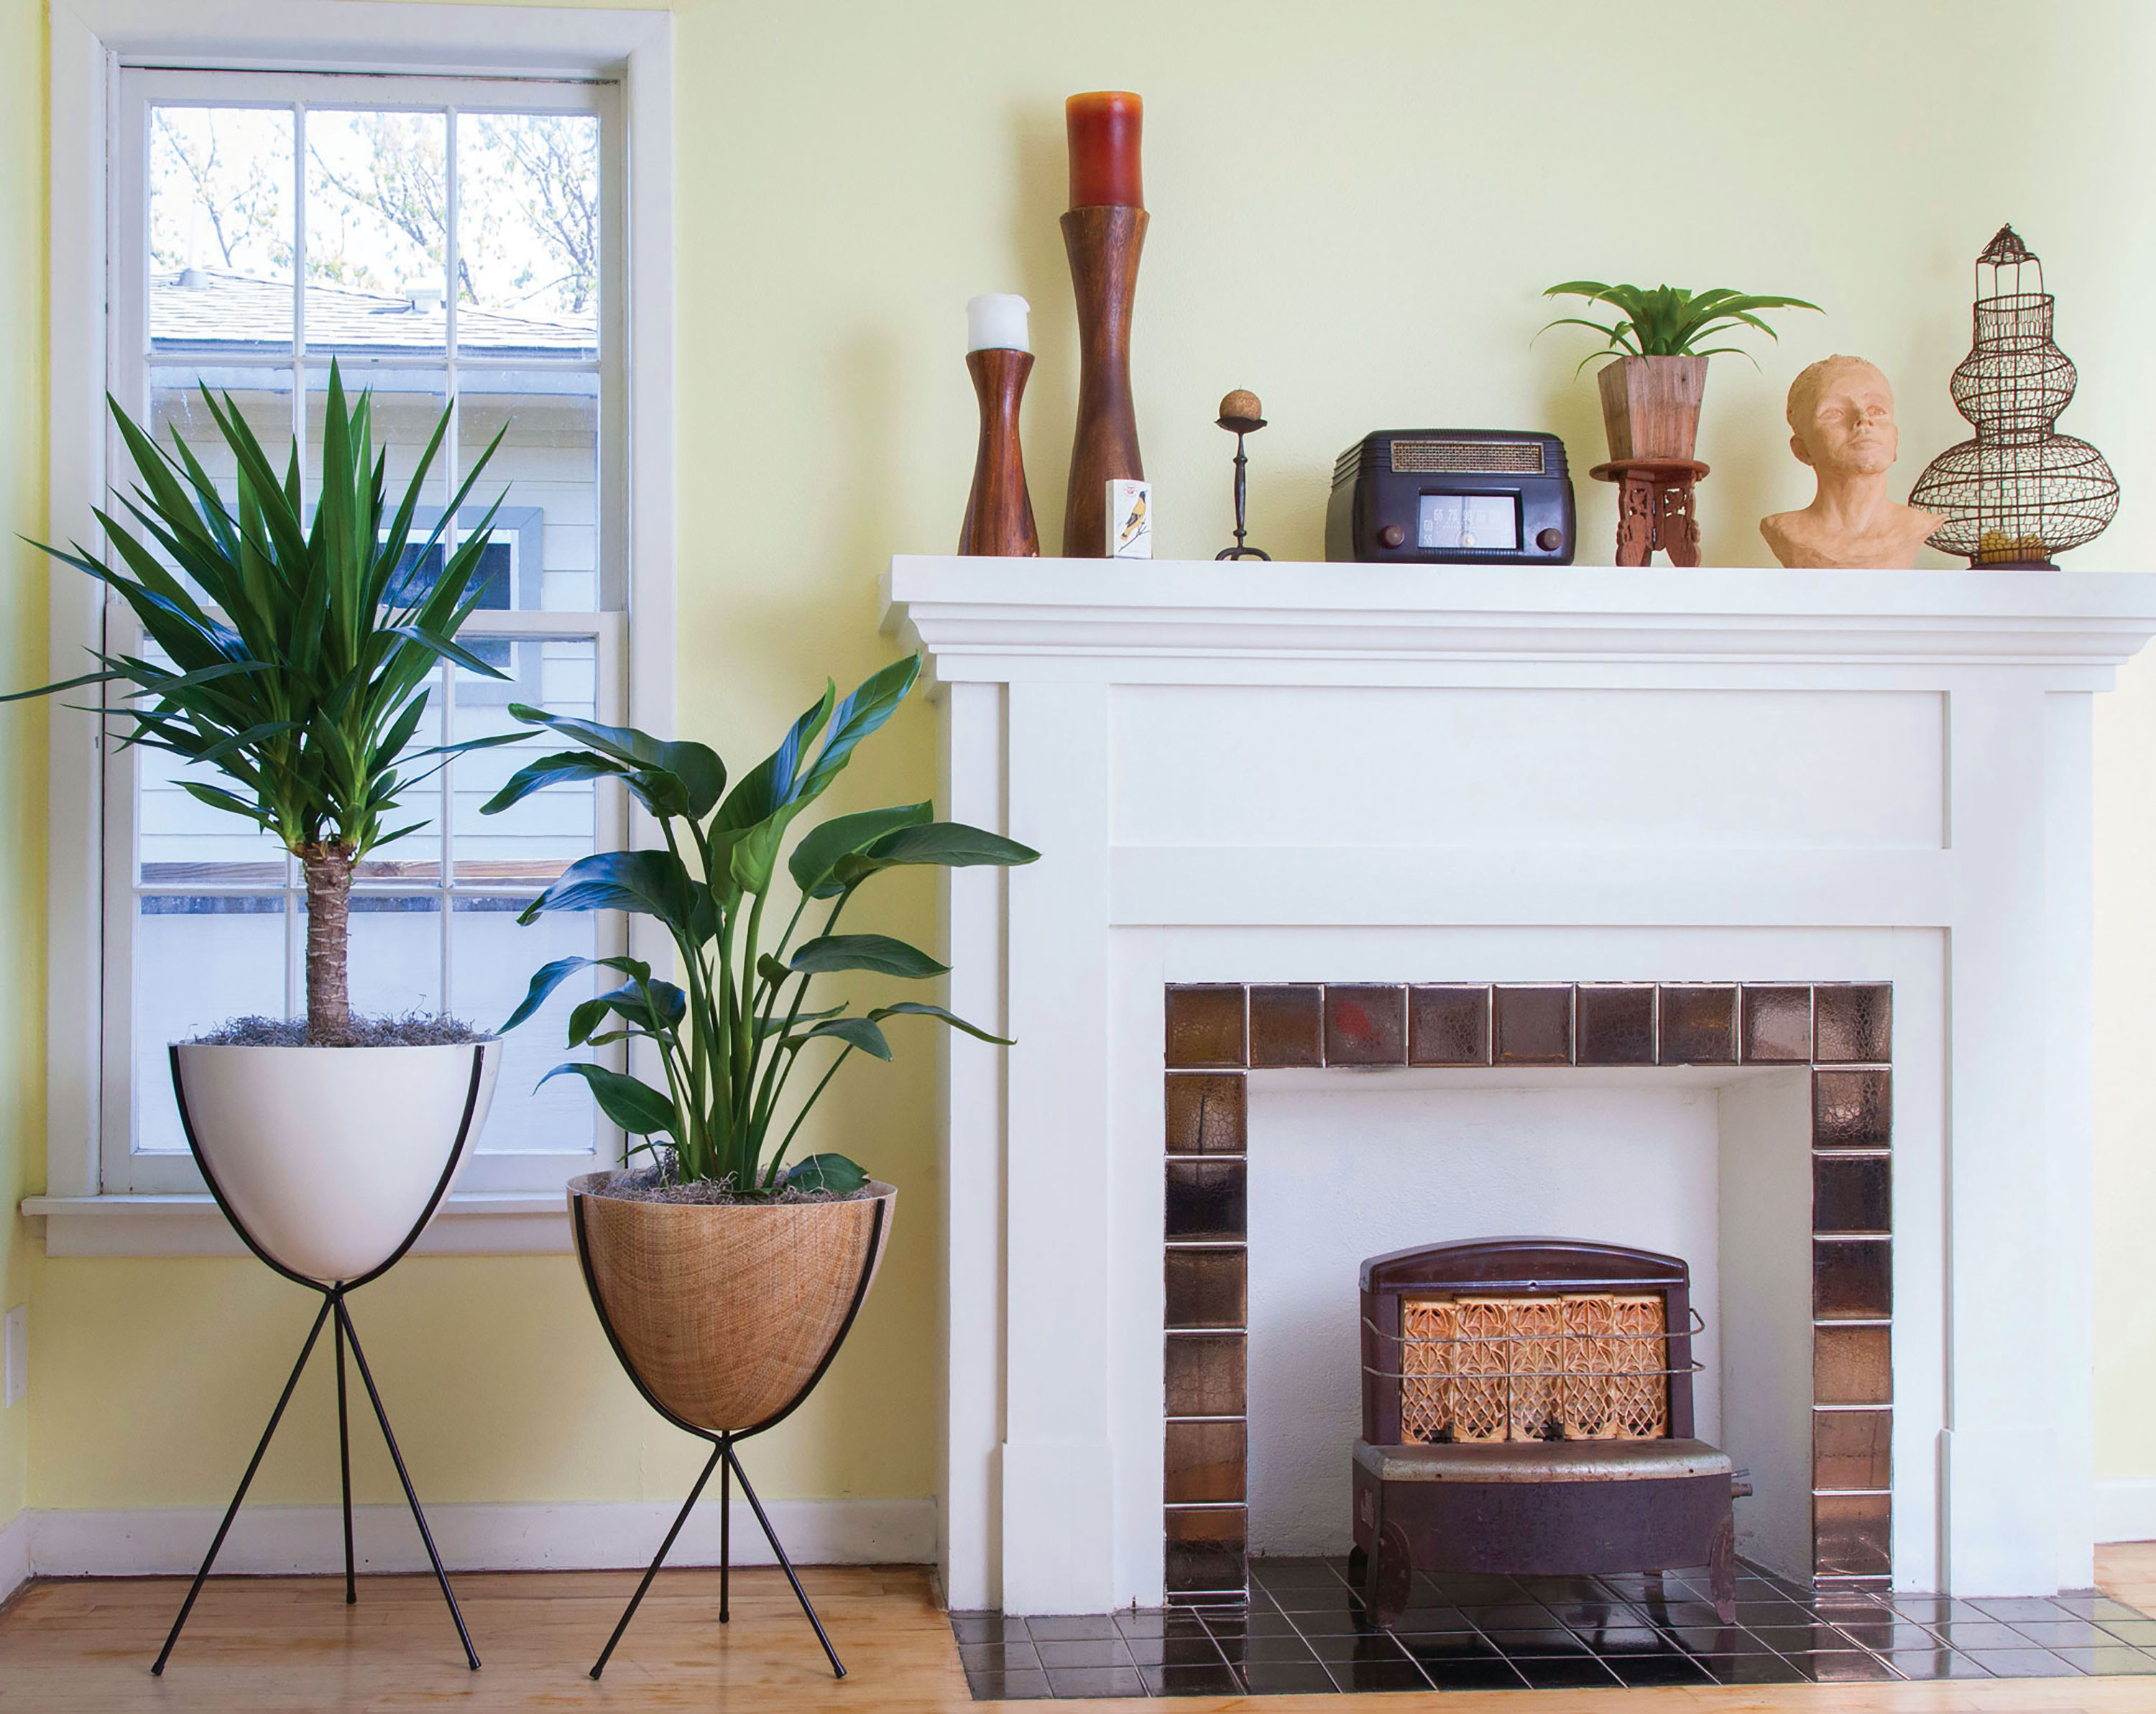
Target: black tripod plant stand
x=334, y=1312
x=723, y=1459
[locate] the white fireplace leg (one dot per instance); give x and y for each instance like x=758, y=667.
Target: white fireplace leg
x=1058, y=1465
x=2002, y=1456
x=969, y=1531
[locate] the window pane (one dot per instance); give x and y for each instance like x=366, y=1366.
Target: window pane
x=532, y=842
x=547, y=472
x=181, y=841
x=199, y=959
x=528, y=233
x=394, y=952
x=221, y=226
x=492, y=960
x=377, y=232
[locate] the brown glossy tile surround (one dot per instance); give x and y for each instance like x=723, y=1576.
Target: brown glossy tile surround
x=1217, y=1033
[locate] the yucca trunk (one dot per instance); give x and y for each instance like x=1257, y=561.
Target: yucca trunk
x=328, y=870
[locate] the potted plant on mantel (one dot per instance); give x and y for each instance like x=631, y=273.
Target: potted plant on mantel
x=1650, y=395
x=724, y=1277
x=292, y=658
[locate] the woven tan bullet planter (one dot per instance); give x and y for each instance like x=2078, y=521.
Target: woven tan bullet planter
x=727, y=1315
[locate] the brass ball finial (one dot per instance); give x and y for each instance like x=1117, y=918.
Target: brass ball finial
x=1241, y=413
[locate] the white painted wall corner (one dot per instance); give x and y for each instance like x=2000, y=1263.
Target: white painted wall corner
x=14, y=1553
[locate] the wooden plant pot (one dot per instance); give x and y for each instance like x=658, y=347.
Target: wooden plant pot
x=1650, y=405
x=726, y=1316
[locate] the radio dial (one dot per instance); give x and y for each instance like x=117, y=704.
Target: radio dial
x=1549, y=540
x=1393, y=535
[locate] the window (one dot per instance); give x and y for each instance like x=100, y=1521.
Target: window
x=450, y=244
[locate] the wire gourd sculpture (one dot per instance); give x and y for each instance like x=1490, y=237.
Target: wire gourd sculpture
x=2020, y=492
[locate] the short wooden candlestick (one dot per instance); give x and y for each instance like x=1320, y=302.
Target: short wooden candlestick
x=1654, y=508
x=1104, y=245
x=999, y=511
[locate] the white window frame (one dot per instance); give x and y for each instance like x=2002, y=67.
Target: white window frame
x=90, y=41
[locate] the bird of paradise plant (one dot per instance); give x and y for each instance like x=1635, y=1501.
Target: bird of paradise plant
x=729, y=1036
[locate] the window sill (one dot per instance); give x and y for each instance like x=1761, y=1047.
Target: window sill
x=468, y=1224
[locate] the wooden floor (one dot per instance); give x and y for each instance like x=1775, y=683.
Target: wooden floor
x=287, y=1643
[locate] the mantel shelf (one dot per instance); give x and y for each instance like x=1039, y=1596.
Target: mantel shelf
x=978, y=617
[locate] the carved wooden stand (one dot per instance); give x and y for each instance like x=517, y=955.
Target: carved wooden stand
x=1104, y=245
x=1654, y=508
x=999, y=513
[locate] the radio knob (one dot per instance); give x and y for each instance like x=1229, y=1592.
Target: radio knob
x=1392, y=536
x=1550, y=540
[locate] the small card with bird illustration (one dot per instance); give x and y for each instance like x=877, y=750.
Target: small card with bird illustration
x=1130, y=519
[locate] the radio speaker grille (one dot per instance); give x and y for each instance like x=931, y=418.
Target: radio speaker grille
x=1511, y=458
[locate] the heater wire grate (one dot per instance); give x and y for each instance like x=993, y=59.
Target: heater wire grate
x=1575, y=1366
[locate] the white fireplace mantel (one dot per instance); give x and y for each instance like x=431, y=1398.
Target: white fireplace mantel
x=1309, y=773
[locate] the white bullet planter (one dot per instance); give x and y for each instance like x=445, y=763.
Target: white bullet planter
x=330, y=1161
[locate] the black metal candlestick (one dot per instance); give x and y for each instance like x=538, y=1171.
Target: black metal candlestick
x=1242, y=414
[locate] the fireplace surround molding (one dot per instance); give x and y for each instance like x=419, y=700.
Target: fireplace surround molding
x=1340, y=777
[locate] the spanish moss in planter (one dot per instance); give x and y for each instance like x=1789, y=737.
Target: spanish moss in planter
x=291, y=656
x=726, y=1275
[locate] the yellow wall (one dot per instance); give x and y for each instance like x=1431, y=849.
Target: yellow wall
x=22, y=657
x=1354, y=208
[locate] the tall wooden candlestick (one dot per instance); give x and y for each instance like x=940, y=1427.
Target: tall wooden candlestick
x=999, y=512
x=1104, y=243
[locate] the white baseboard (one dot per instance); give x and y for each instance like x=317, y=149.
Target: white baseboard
x=14, y=1553
x=269, y=1539
x=2126, y=1509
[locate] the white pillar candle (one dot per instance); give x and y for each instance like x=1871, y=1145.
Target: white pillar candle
x=995, y=321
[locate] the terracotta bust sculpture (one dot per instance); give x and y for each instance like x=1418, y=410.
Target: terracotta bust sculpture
x=1841, y=423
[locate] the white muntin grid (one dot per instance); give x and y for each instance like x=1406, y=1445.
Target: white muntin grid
x=569, y=659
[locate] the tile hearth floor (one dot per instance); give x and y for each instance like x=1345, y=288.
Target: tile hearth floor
x=1304, y=1632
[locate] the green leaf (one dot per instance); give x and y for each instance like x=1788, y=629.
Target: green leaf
x=942, y=845
x=823, y=844
x=771, y=970
x=1668, y=320
x=864, y=952
x=696, y=767
x=551, y=976
x=919, y=1009
x=854, y=1031
x=649, y=883
x=627, y=1001
x=767, y=1028
x=834, y=1173
x=632, y=1104
x=560, y=769
x=869, y=705
x=781, y=786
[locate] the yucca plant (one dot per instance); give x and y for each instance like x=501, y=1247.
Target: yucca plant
x=1667, y=322
x=730, y=1035
x=296, y=662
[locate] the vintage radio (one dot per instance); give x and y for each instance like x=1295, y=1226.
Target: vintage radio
x=1452, y=496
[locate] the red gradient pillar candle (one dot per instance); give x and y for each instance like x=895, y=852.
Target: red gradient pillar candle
x=1105, y=126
